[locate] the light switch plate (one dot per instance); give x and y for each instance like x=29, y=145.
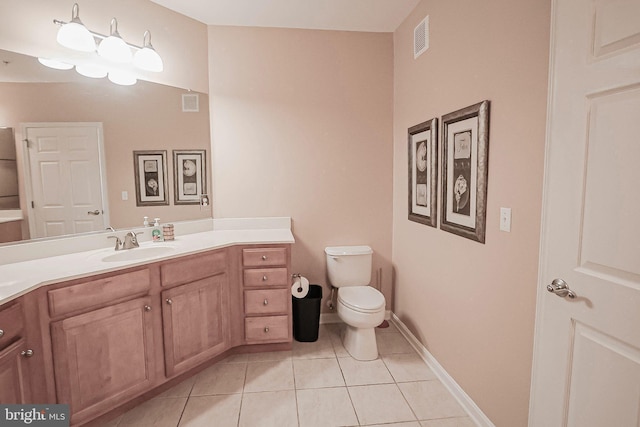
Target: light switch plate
x=125, y=195
x=505, y=219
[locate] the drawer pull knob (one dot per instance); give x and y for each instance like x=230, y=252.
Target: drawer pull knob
x=266, y=302
x=27, y=353
x=266, y=329
x=1, y=333
x=264, y=257
x=147, y=308
x=264, y=278
x=169, y=302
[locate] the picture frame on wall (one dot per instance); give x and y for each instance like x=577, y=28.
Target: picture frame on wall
x=189, y=176
x=423, y=172
x=151, y=177
x=465, y=158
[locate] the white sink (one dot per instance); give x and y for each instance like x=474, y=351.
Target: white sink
x=136, y=254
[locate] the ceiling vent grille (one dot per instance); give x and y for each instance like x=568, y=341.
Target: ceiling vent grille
x=421, y=37
x=190, y=103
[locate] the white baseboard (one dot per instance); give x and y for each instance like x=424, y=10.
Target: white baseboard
x=463, y=398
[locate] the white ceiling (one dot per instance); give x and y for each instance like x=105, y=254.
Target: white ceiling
x=347, y=15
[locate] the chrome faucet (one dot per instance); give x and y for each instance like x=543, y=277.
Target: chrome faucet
x=130, y=240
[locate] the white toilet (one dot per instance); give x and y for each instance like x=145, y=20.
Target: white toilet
x=360, y=306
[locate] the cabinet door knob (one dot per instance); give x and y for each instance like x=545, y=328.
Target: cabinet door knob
x=169, y=301
x=265, y=302
x=266, y=329
x=147, y=308
x=27, y=353
x=1, y=333
x=264, y=257
x=264, y=278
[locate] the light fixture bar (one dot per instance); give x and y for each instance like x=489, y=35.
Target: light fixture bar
x=98, y=35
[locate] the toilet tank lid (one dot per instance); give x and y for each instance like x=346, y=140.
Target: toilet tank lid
x=348, y=250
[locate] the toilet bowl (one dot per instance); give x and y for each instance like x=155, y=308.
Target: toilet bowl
x=360, y=306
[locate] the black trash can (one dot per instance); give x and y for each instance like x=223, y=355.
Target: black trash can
x=306, y=315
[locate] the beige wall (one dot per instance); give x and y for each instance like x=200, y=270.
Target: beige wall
x=473, y=305
x=301, y=125
x=27, y=27
x=146, y=116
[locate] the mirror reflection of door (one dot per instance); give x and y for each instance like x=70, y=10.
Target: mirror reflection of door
x=66, y=178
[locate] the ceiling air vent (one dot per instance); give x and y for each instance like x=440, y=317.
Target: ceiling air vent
x=190, y=103
x=421, y=37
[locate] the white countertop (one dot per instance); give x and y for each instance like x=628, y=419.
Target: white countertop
x=18, y=278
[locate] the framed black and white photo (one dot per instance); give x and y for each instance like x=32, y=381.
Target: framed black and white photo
x=190, y=180
x=423, y=172
x=151, y=177
x=465, y=157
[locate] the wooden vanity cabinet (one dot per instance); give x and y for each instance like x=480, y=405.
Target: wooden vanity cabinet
x=195, y=311
x=102, y=355
x=14, y=356
x=267, y=295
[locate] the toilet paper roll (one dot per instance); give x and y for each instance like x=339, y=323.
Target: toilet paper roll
x=300, y=287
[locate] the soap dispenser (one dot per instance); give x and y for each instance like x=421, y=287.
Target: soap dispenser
x=156, y=232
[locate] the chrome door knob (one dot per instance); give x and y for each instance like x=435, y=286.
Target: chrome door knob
x=27, y=353
x=265, y=278
x=264, y=257
x=1, y=333
x=560, y=288
x=266, y=330
x=265, y=302
x=147, y=308
x=169, y=301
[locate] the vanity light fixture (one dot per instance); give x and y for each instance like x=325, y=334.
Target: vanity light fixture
x=91, y=70
x=147, y=58
x=113, y=47
x=55, y=64
x=122, y=78
x=75, y=35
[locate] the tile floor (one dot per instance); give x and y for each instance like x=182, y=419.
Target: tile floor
x=314, y=384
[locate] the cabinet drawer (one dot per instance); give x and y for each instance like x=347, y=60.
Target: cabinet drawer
x=266, y=329
x=193, y=268
x=266, y=277
x=98, y=292
x=264, y=257
x=11, y=324
x=267, y=301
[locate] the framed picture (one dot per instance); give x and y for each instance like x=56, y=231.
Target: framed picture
x=465, y=156
x=151, y=178
x=189, y=173
x=423, y=172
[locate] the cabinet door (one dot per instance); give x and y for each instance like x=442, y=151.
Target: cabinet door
x=104, y=357
x=14, y=385
x=195, y=319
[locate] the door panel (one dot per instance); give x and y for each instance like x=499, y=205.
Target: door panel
x=195, y=319
x=66, y=179
x=103, y=357
x=587, y=349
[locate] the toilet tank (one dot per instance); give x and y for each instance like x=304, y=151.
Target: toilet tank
x=349, y=265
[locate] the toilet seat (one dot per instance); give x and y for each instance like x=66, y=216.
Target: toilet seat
x=363, y=299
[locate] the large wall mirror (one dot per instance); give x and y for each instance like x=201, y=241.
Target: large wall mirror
x=145, y=116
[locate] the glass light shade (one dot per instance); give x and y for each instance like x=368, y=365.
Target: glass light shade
x=115, y=49
x=90, y=70
x=148, y=59
x=75, y=36
x=55, y=64
x=122, y=78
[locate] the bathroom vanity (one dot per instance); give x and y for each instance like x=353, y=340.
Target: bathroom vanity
x=100, y=340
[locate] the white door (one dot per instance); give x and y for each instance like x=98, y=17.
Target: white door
x=587, y=349
x=67, y=186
